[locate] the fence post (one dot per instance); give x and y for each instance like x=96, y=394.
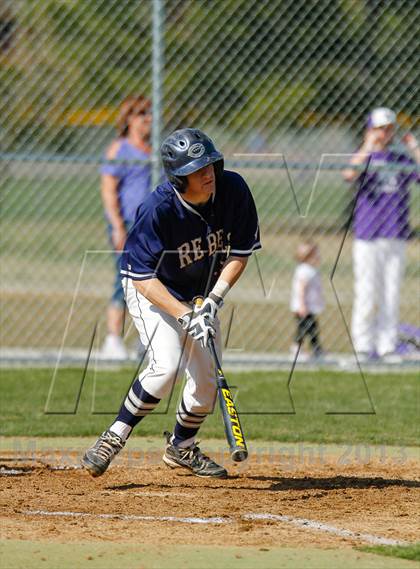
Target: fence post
x=157, y=81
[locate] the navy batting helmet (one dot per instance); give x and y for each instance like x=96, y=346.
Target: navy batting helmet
x=185, y=151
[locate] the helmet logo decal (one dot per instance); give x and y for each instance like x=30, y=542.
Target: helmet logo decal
x=196, y=150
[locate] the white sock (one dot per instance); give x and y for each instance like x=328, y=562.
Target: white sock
x=121, y=429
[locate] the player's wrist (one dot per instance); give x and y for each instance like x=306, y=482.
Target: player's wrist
x=219, y=291
x=216, y=299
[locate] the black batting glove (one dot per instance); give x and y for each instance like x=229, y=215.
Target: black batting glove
x=210, y=306
x=199, y=326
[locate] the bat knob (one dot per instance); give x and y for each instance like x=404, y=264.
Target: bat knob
x=239, y=455
x=198, y=301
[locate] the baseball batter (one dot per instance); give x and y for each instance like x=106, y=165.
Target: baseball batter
x=192, y=237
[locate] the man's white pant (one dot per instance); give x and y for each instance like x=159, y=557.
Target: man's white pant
x=378, y=268
x=171, y=353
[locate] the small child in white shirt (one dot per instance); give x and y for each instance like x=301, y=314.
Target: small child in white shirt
x=307, y=298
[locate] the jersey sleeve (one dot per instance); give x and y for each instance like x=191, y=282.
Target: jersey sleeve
x=144, y=247
x=245, y=238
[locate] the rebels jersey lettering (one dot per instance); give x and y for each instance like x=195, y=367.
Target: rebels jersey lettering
x=185, y=247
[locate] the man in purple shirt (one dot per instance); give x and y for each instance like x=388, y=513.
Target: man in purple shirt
x=381, y=228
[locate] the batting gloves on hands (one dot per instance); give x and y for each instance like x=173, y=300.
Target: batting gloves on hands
x=199, y=326
x=211, y=305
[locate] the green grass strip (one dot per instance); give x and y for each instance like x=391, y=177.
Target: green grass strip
x=328, y=407
x=411, y=552
x=95, y=555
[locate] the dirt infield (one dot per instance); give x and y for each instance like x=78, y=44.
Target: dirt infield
x=324, y=504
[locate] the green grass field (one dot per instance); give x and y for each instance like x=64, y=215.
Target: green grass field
x=73, y=194
x=20, y=555
x=52, y=215
x=329, y=407
x=411, y=552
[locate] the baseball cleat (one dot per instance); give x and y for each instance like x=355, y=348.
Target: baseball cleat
x=97, y=459
x=192, y=459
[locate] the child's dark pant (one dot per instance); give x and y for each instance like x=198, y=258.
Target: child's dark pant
x=308, y=326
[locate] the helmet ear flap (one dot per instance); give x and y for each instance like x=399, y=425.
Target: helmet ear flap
x=218, y=169
x=178, y=182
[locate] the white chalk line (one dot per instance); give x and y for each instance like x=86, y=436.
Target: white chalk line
x=299, y=522
x=304, y=523
x=151, y=493
x=130, y=517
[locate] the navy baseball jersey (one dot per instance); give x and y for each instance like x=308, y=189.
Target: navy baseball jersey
x=186, y=246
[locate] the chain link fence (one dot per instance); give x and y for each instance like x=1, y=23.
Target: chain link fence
x=275, y=83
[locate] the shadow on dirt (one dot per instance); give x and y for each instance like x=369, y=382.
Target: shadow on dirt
x=131, y=486
x=333, y=483
x=279, y=484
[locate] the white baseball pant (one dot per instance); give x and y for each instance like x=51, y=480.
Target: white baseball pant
x=378, y=267
x=172, y=352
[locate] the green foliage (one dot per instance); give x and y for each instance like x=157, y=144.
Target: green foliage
x=69, y=55
x=233, y=62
